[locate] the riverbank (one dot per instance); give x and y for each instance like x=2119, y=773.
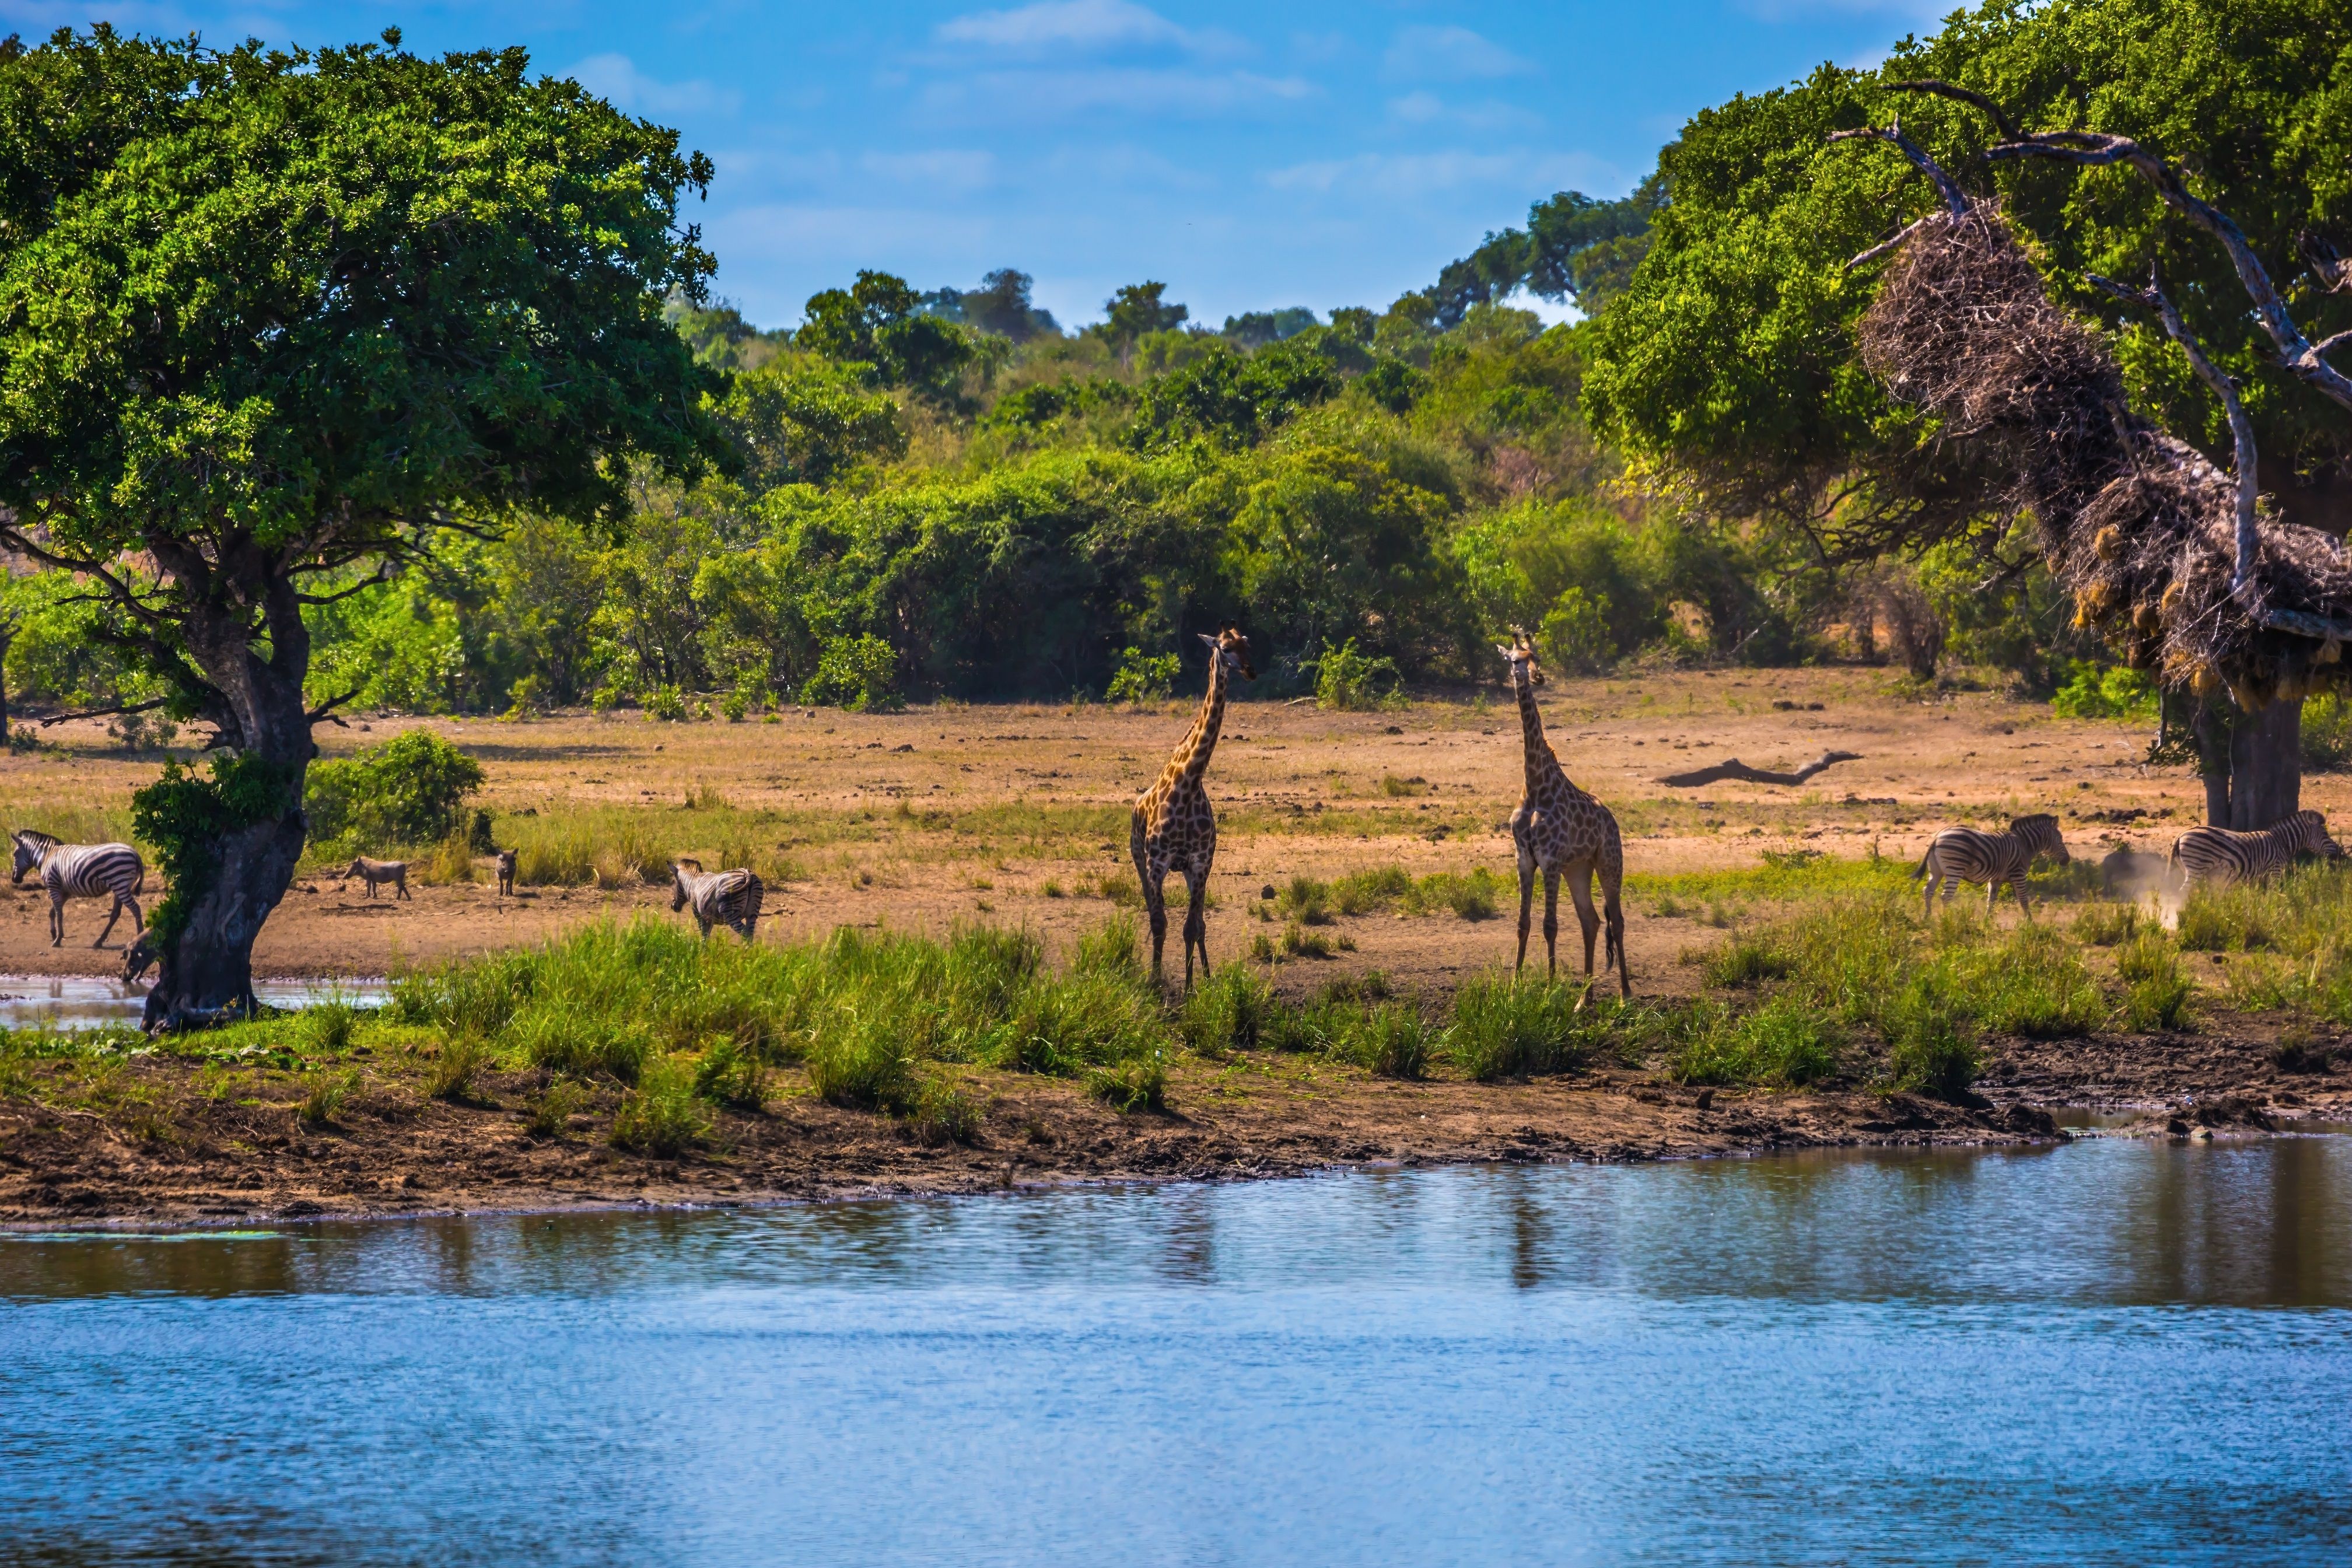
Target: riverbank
x=182, y=1144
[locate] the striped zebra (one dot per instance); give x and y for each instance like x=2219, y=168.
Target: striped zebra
x=374, y=872
x=1959, y=855
x=720, y=897
x=83, y=871
x=2216, y=857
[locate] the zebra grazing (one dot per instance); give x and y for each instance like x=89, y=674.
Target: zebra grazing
x=720, y=897
x=1959, y=855
x=373, y=872
x=83, y=871
x=2216, y=857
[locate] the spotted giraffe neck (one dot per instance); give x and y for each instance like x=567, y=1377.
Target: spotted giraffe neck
x=1203, y=741
x=1543, y=768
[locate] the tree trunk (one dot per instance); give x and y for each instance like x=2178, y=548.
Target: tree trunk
x=204, y=973
x=2211, y=728
x=2265, y=766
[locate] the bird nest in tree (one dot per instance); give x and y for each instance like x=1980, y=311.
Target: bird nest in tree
x=2138, y=525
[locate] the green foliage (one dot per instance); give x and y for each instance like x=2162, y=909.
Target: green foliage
x=730, y=1075
x=2327, y=732
x=859, y=673
x=1143, y=677
x=1138, y=310
x=1508, y=1027
x=2112, y=692
x=411, y=790
x=1787, y=1042
x=1347, y=680
x=2156, y=995
x=661, y=1115
x=186, y=819
x=877, y=325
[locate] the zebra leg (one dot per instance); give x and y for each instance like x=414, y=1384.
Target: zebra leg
x=2017, y=886
x=138, y=920
x=57, y=918
x=112, y=915
x=1551, y=919
x=1927, y=895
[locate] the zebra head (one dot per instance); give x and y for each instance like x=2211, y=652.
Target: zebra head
x=2040, y=835
x=32, y=848
x=2307, y=832
x=678, y=892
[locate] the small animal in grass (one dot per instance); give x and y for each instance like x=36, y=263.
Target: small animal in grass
x=375, y=873
x=2218, y=856
x=731, y=899
x=1959, y=855
x=506, y=873
x=1173, y=827
x=1562, y=829
x=83, y=871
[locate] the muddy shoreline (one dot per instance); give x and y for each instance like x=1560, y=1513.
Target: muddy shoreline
x=175, y=1148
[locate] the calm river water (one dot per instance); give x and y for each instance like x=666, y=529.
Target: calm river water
x=2108, y=1351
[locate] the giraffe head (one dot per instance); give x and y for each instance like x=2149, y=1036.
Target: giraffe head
x=1521, y=653
x=1229, y=649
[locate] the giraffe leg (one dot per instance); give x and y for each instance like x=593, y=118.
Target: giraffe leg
x=1579, y=890
x=1611, y=881
x=1155, y=906
x=1552, y=920
x=1196, y=920
x=1527, y=900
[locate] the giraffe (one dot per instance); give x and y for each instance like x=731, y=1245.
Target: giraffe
x=1173, y=827
x=1558, y=827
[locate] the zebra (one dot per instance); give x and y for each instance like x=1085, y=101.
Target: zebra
x=1959, y=855
x=720, y=897
x=83, y=871
x=373, y=872
x=2217, y=856
x=506, y=873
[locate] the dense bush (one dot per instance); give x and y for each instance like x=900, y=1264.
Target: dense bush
x=411, y=790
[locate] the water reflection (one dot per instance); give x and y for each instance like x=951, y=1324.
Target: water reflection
x=2067, y=1355
x=91, y=1002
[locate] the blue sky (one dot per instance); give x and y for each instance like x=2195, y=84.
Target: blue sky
x=1253, y=156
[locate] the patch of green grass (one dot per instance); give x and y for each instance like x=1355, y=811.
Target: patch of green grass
x=730, y=1074
x=1508, y=1027
x=2156, y=993
x=1306, y=901
x=661, y=1116
x=942, y=1113
x=2107, y=925
x=325, y=1095
x=1472, y=895
x=551, y=1112
x=451, y=1075
x=1788, y=1042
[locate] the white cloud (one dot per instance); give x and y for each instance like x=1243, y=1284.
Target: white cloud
x=616, y=77
x=1077, y=24
x=939, y=169
x=1046, y=94
x=1491, y=114
x=1413, y=174
x=1450, y=54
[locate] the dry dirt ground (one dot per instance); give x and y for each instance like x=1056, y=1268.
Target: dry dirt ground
x=1013, y=812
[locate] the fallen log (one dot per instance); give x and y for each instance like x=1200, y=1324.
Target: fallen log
x=1736, y=769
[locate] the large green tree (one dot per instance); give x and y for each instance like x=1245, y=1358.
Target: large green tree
x=270, y=320
x=1728, y=366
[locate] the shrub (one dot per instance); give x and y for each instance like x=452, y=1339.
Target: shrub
x=1143, y=677
x=324, y=1095
x=665, y=704
x=1230, y=1012
x=661, y=1116
x=858, y=673
x=1306, y=901
x=410, y=790
x=551, y=1112
x=942, y=1113
x=1138, y=1083
x=451, y=1076
x=1931, y=1051
x=1347, y=679
x=867, y=1066
x=2327, y=733
x=2113, y=692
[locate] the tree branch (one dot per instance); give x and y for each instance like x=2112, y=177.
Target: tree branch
x=327, y=709
x=1959, y=94
x=101, y=712
x=371, y=580
x=2241, y=429
x=2093, y=148
x=1736, y=769
x=1954, y=199
x=1885, y=246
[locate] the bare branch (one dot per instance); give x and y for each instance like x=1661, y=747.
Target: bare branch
x=1959, y=94
x=371, y=580
x=327, y=709
x=2329, y=345
x=101, y=712
x=1955, y=198
x=2241, y=429
x=1886, y=245
x=2092, y=148
x=2332, y=267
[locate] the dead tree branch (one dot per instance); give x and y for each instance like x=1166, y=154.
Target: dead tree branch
x=101, y=712
x=1959, y=94
x=1736, y=769
x=1955, y=198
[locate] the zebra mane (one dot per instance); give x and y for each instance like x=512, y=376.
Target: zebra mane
x=40, y=841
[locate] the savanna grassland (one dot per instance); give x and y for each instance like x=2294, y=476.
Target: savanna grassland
x=948, y=991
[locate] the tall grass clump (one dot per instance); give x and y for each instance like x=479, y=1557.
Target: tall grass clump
x=1472, y=895
x=1505, y=1027
x=2155, y=993
x=661, y=1115
x=1788, y=1042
